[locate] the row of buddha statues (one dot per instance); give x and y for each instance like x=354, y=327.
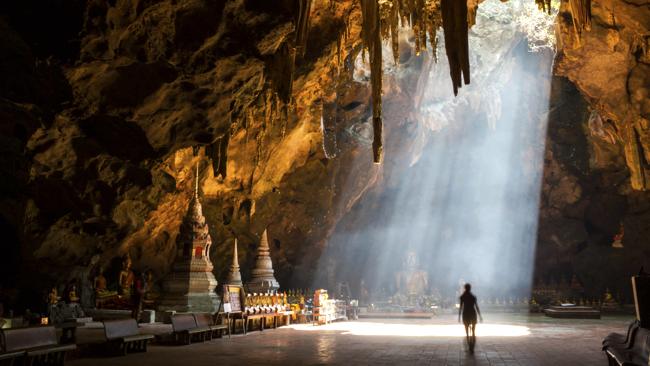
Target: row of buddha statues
x=274, y=302
x=270, y=302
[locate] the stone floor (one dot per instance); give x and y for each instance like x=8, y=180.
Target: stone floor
x=502, y=340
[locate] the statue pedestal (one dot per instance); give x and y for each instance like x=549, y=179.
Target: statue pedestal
x=189, y=292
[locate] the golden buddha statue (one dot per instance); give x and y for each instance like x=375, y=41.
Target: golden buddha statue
x=126, y=278
x=412, y=281
x=609, y=302
x=101, y=288
x=72, y=294
x=608, y=296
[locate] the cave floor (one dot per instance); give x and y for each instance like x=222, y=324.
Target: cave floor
x=502, y=340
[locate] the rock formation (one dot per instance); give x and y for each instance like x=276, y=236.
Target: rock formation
x=604, y=51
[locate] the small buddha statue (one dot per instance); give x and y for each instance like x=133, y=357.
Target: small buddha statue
x=53, y=297
x=152, y=293
x=101, y=288
x=609, y=303
x=99, y=284
x=72, y=294
x=126, y=278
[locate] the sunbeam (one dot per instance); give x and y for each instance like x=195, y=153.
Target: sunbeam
x=463, y=205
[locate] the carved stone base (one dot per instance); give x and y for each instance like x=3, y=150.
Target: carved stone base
x=191, y=303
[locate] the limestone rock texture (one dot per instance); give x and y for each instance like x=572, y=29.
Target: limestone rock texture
x=107, y=105
x=610, y=64
x=596, y=183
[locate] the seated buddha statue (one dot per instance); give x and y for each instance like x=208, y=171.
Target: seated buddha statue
x=126, y=278
x=72, y=294
x=152, y=291
x=412, y=281
x=101, y=288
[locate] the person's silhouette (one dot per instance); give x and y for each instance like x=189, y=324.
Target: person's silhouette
x=469, y=309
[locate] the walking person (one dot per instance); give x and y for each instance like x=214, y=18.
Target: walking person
x=469, y=310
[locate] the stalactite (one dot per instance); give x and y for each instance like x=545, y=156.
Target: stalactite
x=268, y=107
x=328, y=128
x=217, y=151
x=581, y=14
x=420, y=26
x=472, y=7
x=454, y=22
x=544, y=5
x=433, y=22
x=389, y=16
x=302, y=25
x=394, y=30
x=282, y=71
x=339, y=51
x=371, y=34
x=284, y=116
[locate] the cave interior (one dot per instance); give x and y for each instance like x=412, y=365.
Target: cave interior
x=384, y=151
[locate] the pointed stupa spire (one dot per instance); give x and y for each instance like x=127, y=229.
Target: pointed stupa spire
x=234, y=276
x=196, y=181
x=196, y=210
x=262, y=275
x=264, y=243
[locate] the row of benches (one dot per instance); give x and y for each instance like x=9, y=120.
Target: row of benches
x=39, y=345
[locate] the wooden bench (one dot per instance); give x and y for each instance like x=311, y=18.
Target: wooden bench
x=36, y=345
x=633, y=351
x=185, y=329
x=207, y=320
x=124, y=336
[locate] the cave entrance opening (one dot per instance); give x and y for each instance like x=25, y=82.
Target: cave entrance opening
x=458, y=200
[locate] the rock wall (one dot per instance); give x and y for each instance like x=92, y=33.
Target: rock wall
x=104, y=119
x=587, y=203
x=609, y=62
x=598, y=149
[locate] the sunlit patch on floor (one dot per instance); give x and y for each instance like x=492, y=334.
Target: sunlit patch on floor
x=416, y=330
